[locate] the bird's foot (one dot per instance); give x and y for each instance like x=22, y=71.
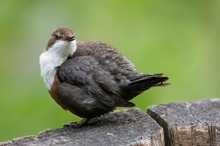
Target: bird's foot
x=81, y=123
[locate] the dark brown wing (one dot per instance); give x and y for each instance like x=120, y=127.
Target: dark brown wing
x=110, y=59
x=95, y=89
x=128, y=79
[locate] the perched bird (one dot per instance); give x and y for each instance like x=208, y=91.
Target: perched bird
x=90, y=78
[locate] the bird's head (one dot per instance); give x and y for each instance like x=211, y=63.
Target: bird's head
x=62, y=41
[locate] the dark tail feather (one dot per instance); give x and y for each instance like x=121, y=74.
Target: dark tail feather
x=143, y=83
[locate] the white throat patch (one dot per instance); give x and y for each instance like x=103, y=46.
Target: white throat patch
x=54, y=57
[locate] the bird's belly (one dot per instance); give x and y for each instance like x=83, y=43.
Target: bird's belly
x=79, y=104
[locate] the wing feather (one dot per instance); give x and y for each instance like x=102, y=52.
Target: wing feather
x=86, y=73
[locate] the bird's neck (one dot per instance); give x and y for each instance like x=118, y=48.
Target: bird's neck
x=49, y=60
x=54, y=57
x=48, y=63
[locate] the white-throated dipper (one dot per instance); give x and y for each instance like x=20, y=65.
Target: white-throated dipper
x=90, y=78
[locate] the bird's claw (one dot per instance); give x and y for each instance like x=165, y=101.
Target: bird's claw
x=81, y=123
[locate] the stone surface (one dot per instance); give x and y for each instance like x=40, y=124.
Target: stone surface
x=189, y=123
x=129, y=127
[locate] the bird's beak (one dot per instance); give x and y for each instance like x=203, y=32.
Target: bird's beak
x=70, y=38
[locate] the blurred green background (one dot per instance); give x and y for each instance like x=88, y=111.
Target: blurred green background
x=180, y=38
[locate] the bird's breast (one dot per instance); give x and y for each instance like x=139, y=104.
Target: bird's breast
x=54, y=92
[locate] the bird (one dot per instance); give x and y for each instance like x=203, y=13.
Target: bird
x=91, y=78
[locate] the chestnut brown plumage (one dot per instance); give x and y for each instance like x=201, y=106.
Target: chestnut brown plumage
x=91, y=78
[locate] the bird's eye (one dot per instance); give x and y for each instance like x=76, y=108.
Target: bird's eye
x=57, y=36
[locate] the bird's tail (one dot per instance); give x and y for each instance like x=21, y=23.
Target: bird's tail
x=144, y=82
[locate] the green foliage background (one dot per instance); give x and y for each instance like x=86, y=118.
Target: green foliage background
x=180, y=38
